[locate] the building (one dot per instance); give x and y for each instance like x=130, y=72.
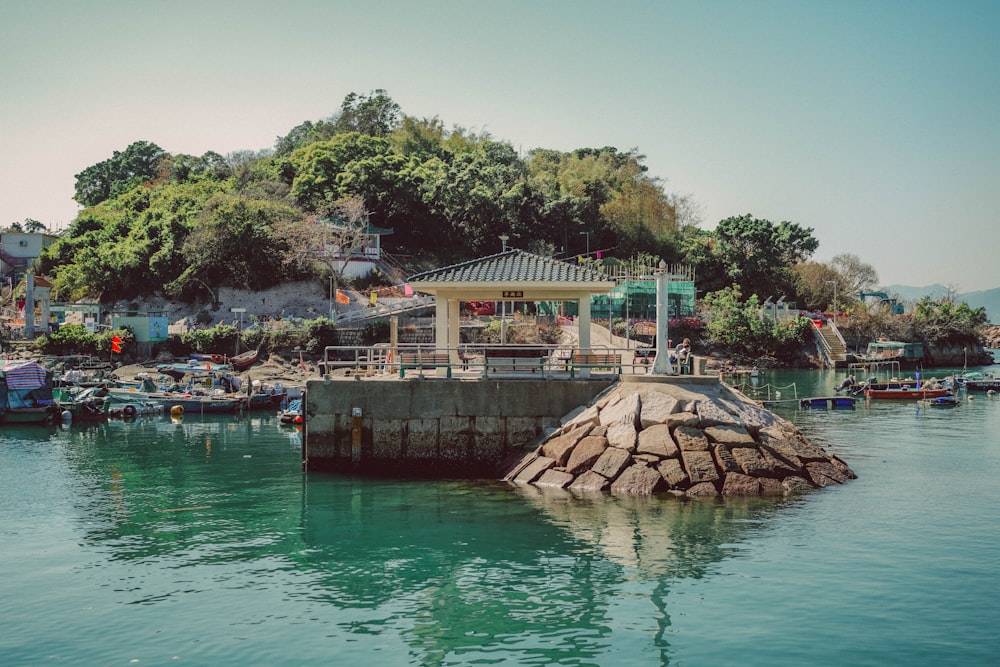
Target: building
x=18, y=250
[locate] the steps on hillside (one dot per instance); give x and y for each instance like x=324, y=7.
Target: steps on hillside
x=832, y=344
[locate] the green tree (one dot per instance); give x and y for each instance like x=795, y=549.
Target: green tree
x=375, y=114
x=121, y=172
x=758, y=255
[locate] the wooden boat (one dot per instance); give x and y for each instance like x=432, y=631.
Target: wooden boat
x=243, y=361
x=906, y=393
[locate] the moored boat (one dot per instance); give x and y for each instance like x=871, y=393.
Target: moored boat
x=907, y=393
x=940, y=402
x=243, y=361
x=26, y=393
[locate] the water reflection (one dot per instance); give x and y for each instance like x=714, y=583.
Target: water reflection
x=454, y=570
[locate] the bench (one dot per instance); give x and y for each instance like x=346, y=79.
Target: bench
x=512, y=358
x=421, y=360
x=608, y=360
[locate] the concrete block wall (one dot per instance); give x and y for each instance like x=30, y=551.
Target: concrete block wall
x=433, y=427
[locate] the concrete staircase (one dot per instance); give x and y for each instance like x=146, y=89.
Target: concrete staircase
x=831, y=345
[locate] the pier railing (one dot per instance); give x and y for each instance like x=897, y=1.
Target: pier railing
x=482, y=360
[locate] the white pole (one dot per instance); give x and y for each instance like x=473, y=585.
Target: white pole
x=661, y=363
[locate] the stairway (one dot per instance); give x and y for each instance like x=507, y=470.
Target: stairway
x=831, y=344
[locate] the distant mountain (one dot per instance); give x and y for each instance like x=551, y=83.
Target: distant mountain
x=988, y=299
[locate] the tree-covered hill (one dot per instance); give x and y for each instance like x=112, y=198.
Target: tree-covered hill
x=160, y=221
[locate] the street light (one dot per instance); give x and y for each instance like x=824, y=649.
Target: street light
x=503, y=239
x=834, y=283
x=587, y=234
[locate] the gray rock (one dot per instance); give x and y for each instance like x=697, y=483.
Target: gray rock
x=622, y=435
x=625, y=410
x=770, y=486
x=712, y=412
x=699, y=466
x=724, y=460
x=750, y=462
x=736, y=484
x=534, y=470
x=656, y=408
x=554, y=478
x=823, y=473
x=589, y=481
x=637, y=480
x=586, y=452
x=690, y=439
x=734, y=436
x=793, y=485
x=673, y=474
x=702, y=490
x=559, y=448
x=682, y=419
x=657, y=440
x=612, y=462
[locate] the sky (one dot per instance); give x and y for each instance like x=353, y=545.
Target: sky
x=876, y=124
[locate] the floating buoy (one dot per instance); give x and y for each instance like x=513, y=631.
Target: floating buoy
x=298, y=419
x=129, y=411
x=67, y=416
x=176, y=410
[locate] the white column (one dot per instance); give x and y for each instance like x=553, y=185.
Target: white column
x=661, y=364
x=454, y=319
x=584, y=321
x=441, y=328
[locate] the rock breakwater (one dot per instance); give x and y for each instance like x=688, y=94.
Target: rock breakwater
x=645, y=438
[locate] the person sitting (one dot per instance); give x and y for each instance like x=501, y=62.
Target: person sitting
x=683, y=354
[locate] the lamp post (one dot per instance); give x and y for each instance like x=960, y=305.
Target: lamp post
x=503, y=239
x=834, y=283
x=587, y=234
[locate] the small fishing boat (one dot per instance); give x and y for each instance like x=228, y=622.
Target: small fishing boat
x=26, y=393
x=828, y=402
x=939, y=402
x=292, y=414
x=981, y=381
x=907, y=393
x=243, y=361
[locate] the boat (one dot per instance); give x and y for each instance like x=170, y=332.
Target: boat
x=177, y=371
x=907, y=393
x=981, y=381
x=292, y=414
x=828, y=402
x=243, y=361
x=82, y=404
x=26, y=393
x=939, y=402
x=194, y=401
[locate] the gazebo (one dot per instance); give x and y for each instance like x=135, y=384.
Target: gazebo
x=512, y=275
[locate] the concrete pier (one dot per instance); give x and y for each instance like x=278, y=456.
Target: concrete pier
x=435, y=426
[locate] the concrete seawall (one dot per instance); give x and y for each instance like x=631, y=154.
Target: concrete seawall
x=686, y=435
x=433, y=427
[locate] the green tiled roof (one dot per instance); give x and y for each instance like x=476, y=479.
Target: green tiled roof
x=512, y=266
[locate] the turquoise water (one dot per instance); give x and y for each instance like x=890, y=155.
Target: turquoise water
x=202, y=543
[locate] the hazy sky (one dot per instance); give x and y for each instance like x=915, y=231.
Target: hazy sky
x=875, y=123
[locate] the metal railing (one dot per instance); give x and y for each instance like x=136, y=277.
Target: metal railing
x=480, y=360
